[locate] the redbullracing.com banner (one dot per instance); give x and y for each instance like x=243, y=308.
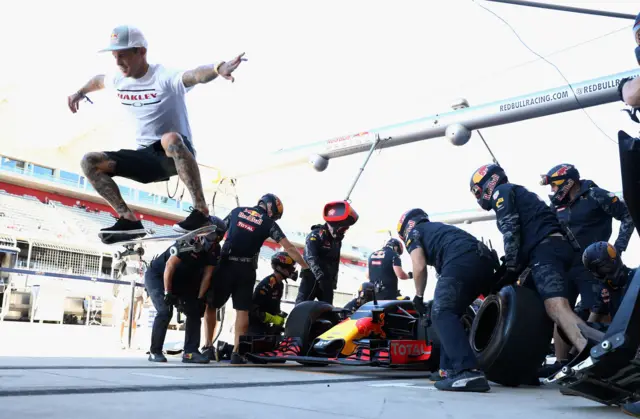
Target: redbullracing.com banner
x=534, y=101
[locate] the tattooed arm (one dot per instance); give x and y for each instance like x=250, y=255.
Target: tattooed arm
x=508, y=223
x=617, y=209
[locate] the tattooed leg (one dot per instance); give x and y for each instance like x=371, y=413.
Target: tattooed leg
x=96, y=168
x=187, y=169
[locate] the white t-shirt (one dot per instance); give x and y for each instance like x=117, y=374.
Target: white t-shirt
x=156, y=101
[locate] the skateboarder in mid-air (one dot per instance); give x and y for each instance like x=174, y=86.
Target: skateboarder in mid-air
x=155, y=96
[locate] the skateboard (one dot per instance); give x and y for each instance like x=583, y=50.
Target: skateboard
x=184, y=242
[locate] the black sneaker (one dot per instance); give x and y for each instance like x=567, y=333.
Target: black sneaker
x=209, y=352
x=157, y=357
x=468, y=380
x=194, y=221
x=548, y=370
x=195, y=358
x=632, y=409
x=236, y=358
x=438, y=375
x=122, y=230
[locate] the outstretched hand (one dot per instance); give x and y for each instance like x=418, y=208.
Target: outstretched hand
x=229, y=67
x=73, y=101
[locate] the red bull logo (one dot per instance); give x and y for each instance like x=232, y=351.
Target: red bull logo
x=367, y=327
x=482, y=172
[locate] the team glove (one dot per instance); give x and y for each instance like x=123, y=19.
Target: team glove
x=418, y=302
x=170, y=299
x=276, y=320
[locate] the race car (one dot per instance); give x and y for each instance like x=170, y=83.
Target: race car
x=386, y=333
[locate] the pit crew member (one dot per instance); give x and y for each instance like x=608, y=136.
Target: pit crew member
x=365, y=294
x=603, y=261
x=533, y=237
x=182, y=281
x=266, y=317
x=322, y=253
x=384, y=269
x=248, y=228
x=588, y=211
x=465, y=269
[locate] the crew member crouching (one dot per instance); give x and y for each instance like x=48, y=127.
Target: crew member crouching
x=266, y=317
x=322, y=253
x=182, y=281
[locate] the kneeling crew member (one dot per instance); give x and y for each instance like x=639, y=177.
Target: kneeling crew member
x=182, y=281
x=248, y=228
x=533, y=237
x=465, y=268
x=603, y=261
x=265, y=317
x=322, y=253
x=365, y=294
x=384, y=269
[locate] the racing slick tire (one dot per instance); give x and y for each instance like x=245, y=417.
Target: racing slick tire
x=510, y=336
x=307, y=321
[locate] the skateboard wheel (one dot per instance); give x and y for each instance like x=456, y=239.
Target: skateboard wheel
x=140, y=251
x=117, y=255
x=173, y=250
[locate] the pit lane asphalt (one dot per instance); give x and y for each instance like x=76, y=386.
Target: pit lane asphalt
x=88, y=380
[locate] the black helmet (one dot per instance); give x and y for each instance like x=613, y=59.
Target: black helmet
x=284, y=264
x=395, y=243
x=218, y=234
x=366, y=292
x=273, y=205
x=409, y=220
x=603, y=261
x=563, y=177
x=484, y=181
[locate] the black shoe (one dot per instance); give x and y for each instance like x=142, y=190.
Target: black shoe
x=194, y=221
x=195, y=358
x=122, y=230
x=209, y=352
x=157, y=357
x=632, y=409
x=551, y=369
x=468, y=380
x=438, y=375
x=236, y=358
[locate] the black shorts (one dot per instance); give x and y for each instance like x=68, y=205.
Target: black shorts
x=550, y=262
x=235, y=280
x=146, y=165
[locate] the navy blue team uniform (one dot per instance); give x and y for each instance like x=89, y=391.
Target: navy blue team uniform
x=266, y=317
x=365, y=294
x=465, y=269
x=603, y=261
x=381, y=273
x=248, y=228
x=589, y=216
x=532, y=234
x=186, y=282
x=322, y=254
x=265, y=306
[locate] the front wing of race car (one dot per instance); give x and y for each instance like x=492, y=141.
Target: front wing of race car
x=367, y=352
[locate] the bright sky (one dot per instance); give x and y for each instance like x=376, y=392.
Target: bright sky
x=316, y=72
